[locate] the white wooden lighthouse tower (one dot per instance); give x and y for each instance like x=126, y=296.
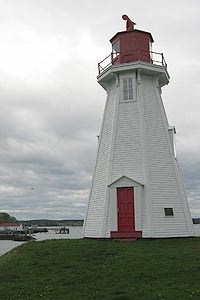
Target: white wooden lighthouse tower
x=137, y=189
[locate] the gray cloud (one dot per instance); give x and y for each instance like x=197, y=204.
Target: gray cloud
x=52, y=106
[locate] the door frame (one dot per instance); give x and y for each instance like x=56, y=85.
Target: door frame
x=118, y=209
x=138, y=187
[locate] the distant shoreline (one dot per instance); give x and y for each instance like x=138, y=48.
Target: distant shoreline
x=46, y=222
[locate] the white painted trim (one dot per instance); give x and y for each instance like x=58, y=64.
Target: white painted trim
x=131, y=75
x=147, y=200
x=132, y=182
x=137, y=189
x=150, y=69
x=138, y=207
x=114, y=125
x=113, y=210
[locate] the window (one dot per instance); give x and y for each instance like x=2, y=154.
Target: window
x=116, y=47
x=127, y=88
x=115, y=52
x=168, y=212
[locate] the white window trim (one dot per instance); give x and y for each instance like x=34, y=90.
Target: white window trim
x=122, y=89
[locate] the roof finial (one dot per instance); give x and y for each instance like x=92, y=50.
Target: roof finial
x=129, y=24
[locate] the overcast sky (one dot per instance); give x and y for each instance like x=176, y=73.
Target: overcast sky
x=51, y=104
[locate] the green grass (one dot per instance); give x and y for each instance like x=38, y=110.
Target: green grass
x=89, y=270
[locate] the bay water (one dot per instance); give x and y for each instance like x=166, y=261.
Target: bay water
x=75, y=232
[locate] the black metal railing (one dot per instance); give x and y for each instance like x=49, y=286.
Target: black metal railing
x=134, y=55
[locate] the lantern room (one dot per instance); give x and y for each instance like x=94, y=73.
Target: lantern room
x=132, y=49
x=130, y=46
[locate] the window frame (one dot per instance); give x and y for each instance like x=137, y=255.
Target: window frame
x=169, y=212
x=128, y=89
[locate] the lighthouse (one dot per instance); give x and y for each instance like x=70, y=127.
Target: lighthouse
x=137, y=189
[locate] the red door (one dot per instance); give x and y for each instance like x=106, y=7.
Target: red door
x=125, y=200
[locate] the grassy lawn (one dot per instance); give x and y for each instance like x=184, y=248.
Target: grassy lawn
x=87, y=269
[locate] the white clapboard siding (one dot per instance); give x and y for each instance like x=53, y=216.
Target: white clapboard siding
x=127, y=154
x=165, y=188
x=95, y=213
x=135, y=145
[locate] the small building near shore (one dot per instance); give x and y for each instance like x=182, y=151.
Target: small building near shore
x=11, y=226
